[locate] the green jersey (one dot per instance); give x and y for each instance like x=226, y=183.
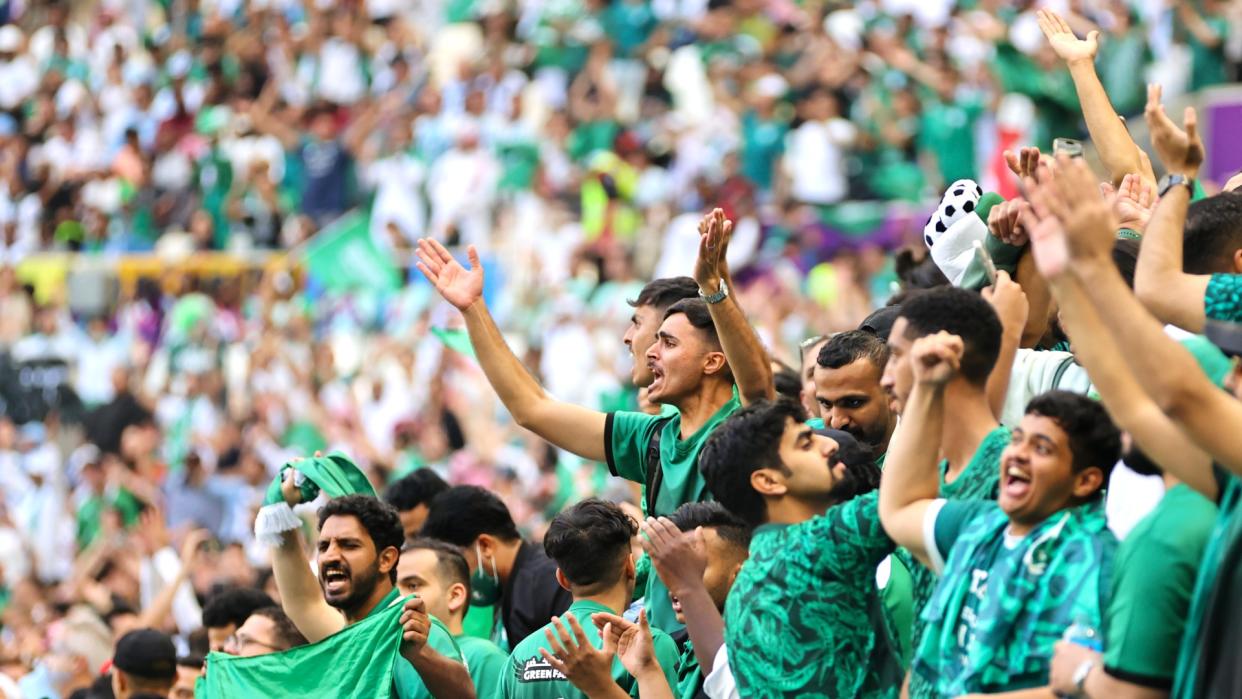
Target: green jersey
x=1207, y=660
x=804, y=618
x=529, y=676
x=485, y=661
x=978, y=481
x=1223, y=300
x=407, y=683
x=628, y=439
x=1003, y=601
x=1156, y=569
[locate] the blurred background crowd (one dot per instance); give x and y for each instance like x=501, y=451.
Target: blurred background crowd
x=576, y=143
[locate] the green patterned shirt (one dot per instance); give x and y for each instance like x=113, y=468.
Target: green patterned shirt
x=1223, y=300
x=804, y=618
x=978, y=481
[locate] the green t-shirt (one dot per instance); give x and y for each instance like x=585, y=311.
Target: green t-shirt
x=485, y=661
x=804, y=618
x=1207, y=660
x=1003, y=601
x=529, y=676
x=1156, y=569
x=978, y=481
x=1223, y=300
x=689, y=673
x=627, y=437
x=948, y=132
x=1209, y=64
x=763, y=143
x=407, y=683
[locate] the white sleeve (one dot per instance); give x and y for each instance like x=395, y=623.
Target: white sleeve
x=934, y=555
x=719, y=682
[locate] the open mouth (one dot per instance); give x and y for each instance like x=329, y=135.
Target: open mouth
x=335, y=580
x=676, y=604
x=1016, y=482
x=657, y=375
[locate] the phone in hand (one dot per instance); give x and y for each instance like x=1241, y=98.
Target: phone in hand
x=989, y=267
x=1069, y=146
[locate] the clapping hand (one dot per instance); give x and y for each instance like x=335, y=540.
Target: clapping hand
x=586, y=667
x=1181, y=150
x=712, y=264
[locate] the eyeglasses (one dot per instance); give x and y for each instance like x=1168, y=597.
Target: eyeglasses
x=236, y=642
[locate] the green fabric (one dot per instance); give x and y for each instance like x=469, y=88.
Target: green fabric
x=344, y=256
x=629, y=23
x=456, y=339
x=1215, y=364
x=1004, y=255
x=335, y=474
x=529, y=676
x=1208, y=64
x=91, y=511
x=948, y=133
x=689, y=673
x=804, y=618
x=898, y=596
x=1002, y=604
x=1226, y=537
x=763, y=143
x=365, y=656
x=1119, y=54
x=978, y=481
x=479, y=621
x=304, y=437
x=1223, y=300
x=1150, y=597
x=627, y=438
x=485, y=661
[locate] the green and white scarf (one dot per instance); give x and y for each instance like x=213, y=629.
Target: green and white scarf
x=1058, y=574
x=334, y=474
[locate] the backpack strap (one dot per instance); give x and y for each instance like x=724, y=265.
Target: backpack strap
x=655, y=467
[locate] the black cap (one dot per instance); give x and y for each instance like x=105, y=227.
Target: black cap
x=850, y=451
x=1225, y=335
x=146, y=653
x=880, y=322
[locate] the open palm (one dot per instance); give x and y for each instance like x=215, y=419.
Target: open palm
x=1063, y=41
x=636, y=647
x=460, y=286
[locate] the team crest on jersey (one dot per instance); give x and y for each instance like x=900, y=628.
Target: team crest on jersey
x=539, y=670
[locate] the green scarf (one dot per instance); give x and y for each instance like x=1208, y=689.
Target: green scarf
x=334, y=474
x=1057, y=574
x=360, y=657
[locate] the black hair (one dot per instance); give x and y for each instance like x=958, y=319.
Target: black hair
x=231, y=606
x=712, y=515
x=414, y=489
x=379, y=518
x=1125, y=257
x=746, y=442
x=962, y=313
x=462, y=513
x=695, y=311
x=450, y=563
x=1138, y=461
x=662, y=293
x=590, y=542
x=848, y=347
x=1213, y=234
x=787, y=381
x=918, y=270
x=880, y=321
x=286, y=633
x=192, y=660
x=1094, y=440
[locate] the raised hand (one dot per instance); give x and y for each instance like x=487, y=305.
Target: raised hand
x=679, y=557
x=415, y=623
x=711, y=266
x=1048, y=243
x=1063, y=41
x=636, y=647
x=192, y=548
x=1005, y=222
x=1009, y=301
x=1133, y=202
x=1024, y=162
x=936, y=358
x=460, y=286
x=587, y=668
x=1180, y=150
x=1088, y=219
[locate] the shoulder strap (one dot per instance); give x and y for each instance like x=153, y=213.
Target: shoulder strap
x=655, y=468
x=1061, y=369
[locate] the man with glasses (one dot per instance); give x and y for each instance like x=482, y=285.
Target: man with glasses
x=267, y=630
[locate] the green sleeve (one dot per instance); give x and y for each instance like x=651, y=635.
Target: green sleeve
x=1223, y=300
x=849, y=535
x=507, y=686
x=949, y=519
x=487, y=665
x=667, y=655
x=626, y=438
x=441, y=641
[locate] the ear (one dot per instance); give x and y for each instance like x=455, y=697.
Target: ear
x=1237, y=261
x=767, y=482
x=562, y=580
x=733, y=573
x=388, y=559
x=457, y=597
x=714, y=362
x=631, y=569
x=1088, y=482
x=487, y=545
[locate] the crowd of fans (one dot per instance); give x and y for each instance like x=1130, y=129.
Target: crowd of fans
x=692, y=486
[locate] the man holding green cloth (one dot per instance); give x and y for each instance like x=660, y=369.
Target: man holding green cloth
x=351, y=609
x=1014, y=573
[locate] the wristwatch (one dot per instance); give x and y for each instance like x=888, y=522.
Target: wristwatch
x=1172, y=180
x=1084, y=669
x=717, y=297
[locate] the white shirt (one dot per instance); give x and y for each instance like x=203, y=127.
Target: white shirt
x=815, y=162
x=719, y=683
x=398, y=181
x=19, y=78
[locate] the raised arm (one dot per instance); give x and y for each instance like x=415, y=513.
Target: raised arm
x=568, y=426
x=1166, y=370
x=300, y=595
x=742, y=349
x=910, y=484
x=1117, y=150
x=1168, y=292
x=1094, y=347
x=678, y=558
x=161, y=607
x=1007, y=297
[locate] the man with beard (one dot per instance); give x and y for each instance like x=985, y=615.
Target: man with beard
x=804, y=617
x=358, y=548
x=702, y=349
x=969, y=446
x=847, y=388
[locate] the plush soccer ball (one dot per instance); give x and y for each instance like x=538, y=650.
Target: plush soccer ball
x=958, y=202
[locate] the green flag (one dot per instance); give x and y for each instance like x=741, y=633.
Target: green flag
x=343, y=256
x=456, y=339
x=356, y=662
